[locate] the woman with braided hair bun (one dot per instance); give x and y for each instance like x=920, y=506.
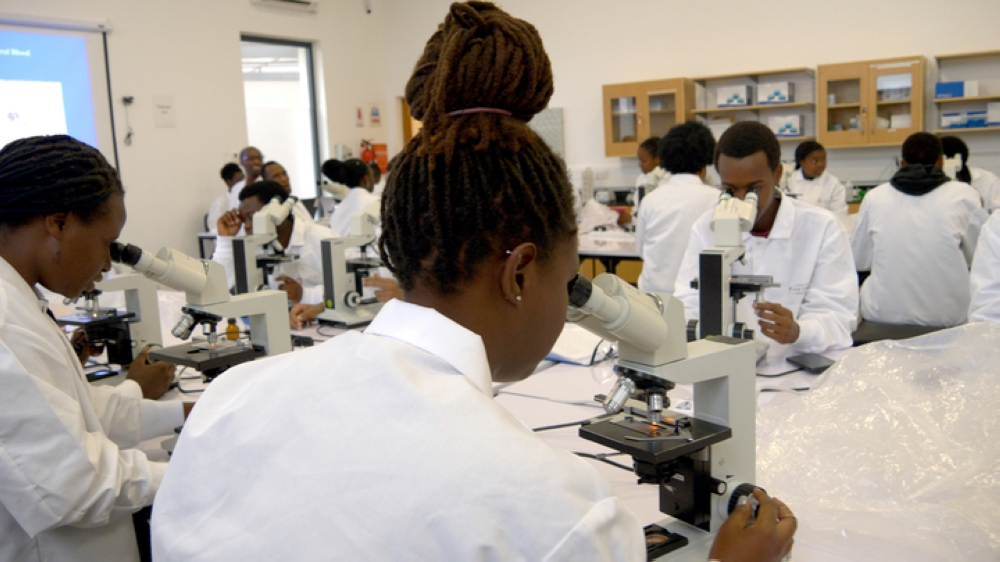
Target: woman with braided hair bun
x=396, y=449
x=69, y=476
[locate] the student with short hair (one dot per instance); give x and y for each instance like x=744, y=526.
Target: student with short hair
x=275, y=172
x=917, y=235
x=318, y=454
x=252, y=161
x=985, y=182
x=667, y=214
x=302, y=279
x=813, y=184
x=802, y=246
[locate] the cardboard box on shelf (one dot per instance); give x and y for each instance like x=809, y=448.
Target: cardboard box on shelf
x=770, y=93
x=733, y=96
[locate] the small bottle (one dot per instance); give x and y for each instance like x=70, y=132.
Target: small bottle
x=232, y=330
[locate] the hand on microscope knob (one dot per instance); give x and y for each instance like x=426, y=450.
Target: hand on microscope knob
x=768, y=538
x=229, y=224
x=83, y=348
x=777, y=322
x=386, y=288
x=154, y=378
x=292, y=287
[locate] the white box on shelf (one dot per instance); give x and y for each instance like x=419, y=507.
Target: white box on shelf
x=769, y=93
x=900, y=121
x=733, y=96
x=971, y=88
x=993, y=114
x=952, y=120
x=785, y=125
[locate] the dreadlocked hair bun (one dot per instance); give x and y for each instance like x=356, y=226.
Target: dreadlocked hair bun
x=470, y=186
x=53, y=174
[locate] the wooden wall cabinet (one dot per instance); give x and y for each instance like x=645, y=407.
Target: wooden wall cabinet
x=870, y=103
x=636, y=111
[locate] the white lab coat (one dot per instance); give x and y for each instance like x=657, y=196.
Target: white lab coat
x=985, y=274
x=664, y=228
x=826, y=191
x=385, y=445
x=918, y=249
x=69, y=480
x=218, y=208
x=809, y=256
x=358, y=198
x=304, y=243
x=988, y=186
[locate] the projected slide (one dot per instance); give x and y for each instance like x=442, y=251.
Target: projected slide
x=45, y=87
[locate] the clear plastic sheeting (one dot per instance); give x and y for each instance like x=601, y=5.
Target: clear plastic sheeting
x=895, y=454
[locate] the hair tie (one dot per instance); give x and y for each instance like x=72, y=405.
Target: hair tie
x=478, y=110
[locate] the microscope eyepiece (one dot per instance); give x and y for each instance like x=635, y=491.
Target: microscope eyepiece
x=580, y=289
x=125, y=253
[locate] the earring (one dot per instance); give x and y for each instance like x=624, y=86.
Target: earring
x=518, y=297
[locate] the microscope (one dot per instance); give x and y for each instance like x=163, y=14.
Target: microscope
x=121, y=333
x=705, y=463
x=208, y=303
x=249, y=267
x=343, y=287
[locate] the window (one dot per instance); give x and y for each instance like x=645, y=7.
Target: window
x=281, y=108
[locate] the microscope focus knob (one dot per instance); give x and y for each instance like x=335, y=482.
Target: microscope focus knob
x=741, y=491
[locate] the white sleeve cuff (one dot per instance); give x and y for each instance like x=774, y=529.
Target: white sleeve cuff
x=312, y=294
x=156, y=472
x=160, y=418
x=130, y=389
x=811, y=336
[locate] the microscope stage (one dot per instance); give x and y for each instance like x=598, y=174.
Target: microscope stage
x=635, y=436
x=198, y=355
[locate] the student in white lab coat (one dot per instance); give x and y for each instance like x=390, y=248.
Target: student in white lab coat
x=917, y=235
x=984, y=181
x=253, y=164
x=652, y=172
x=356, y=175
x=387, y=444
x=70, y=477
x=276, y=172
x=667, y=215
x=231, y=174
x=803, y=247
x=985, y=274
x=811, y=182
x=302, y=279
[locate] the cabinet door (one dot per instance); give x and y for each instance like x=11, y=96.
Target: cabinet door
x=664, y=109
x=897, y=107
x=622, y=121
x=842, y=104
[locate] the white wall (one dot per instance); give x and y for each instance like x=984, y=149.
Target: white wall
x=596, y=42
x=190, y=49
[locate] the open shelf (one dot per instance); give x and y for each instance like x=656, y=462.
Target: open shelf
x=967, y=130
x=968, y=98
x=968, y=55
x=756, y=107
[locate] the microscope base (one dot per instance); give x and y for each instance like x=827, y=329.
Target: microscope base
x=350, y=317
